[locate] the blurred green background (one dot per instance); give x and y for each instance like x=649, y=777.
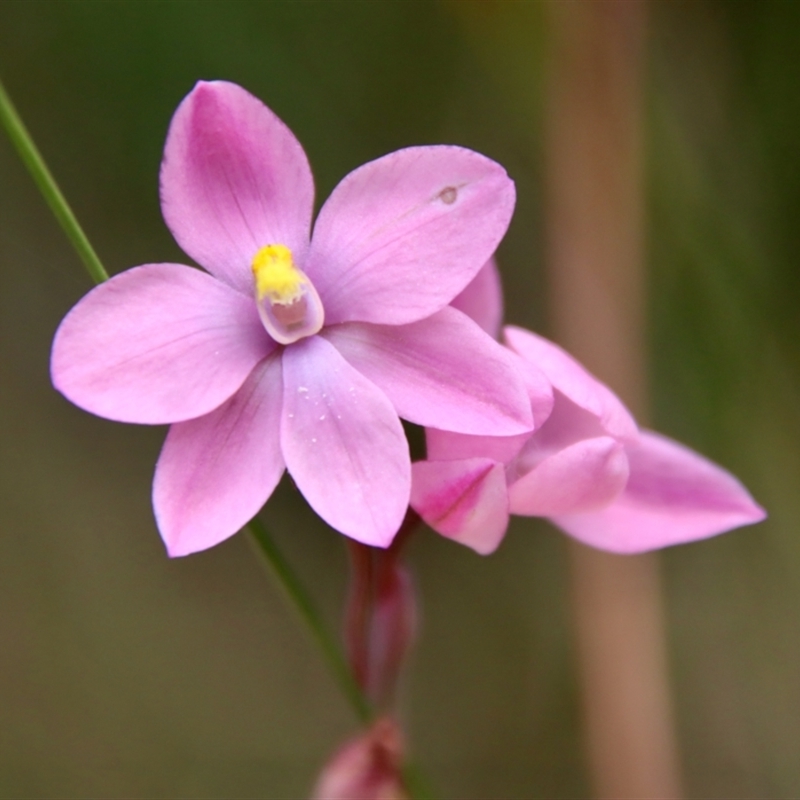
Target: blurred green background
x=125, y=674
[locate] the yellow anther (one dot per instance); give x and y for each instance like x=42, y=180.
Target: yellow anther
x=277, y=278
x=287, y=302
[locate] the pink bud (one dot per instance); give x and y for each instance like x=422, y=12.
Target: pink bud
x=392, y=629
x=380, y=620
x=366, y=768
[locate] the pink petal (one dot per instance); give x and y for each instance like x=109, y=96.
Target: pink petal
x=464, y=500
x=570, y=377
x=540, y=391
x=584, y=476
x=233, y=180
x=215, y=472
x=400, y=237
x=673, y=496
x=343, y=443
x=567, y=424
x=482, y=300
x=442, y=371
x=449, y=446
x=155, y=344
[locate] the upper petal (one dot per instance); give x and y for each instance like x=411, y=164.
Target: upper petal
x=464, y=500
x=583, y=476
x=158, y=343
x=570, y=377
x=401, y=236
x=234, y=179
x=442, y=371
x=482, y=300
x=215, y=472
x=674, y=495
x=343, y=443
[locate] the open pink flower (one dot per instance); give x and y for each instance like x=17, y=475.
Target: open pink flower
x=588, y=467
x=296, y=352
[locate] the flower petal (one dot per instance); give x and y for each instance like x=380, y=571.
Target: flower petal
x=215, y=472
x=482, y=300
x=442, y=371
x=400, y=237
x=343, y=443
x=449, y=446
x=464, y=500
x=584, y=476
x=570, y=377
x=674, y=495
x=234, y=179
x=155, y=344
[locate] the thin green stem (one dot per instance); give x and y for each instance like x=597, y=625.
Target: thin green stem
x=416, y=783
x=260, y=536
x=304, y=604
x=41, y=175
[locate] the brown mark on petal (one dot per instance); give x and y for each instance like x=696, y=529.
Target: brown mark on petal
x=448, y=195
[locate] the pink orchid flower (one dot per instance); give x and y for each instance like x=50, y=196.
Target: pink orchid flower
x=291, y=351
x=588, y=467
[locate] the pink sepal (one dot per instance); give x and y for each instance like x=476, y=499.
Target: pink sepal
x=343, y=443
x=443, y=371
x=401, y=236
x=482, y=300
x=234, y=178
x=674, y=495
x=580, y=477
x=157, y=344
x=215, y=472
x=464, y=500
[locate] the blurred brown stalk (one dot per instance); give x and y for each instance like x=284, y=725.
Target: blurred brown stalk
x=593, y=144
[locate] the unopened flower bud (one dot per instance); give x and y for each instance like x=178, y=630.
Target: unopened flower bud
x=366, y=768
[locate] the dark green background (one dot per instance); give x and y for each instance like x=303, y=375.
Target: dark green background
x=125, y=674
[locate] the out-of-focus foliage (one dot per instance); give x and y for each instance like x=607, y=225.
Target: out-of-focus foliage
x=125, y=674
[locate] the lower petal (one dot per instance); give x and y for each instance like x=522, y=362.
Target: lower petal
x=584, y=476
x=464, y=500
x=343, y=443
x=674, y=495
x=442, y=371
x=215, y=472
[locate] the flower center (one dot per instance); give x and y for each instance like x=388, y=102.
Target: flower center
x=287, y=301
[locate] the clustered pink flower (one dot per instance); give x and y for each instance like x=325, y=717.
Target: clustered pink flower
x=586, y=466
x=293, y=351
x=302, y=352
